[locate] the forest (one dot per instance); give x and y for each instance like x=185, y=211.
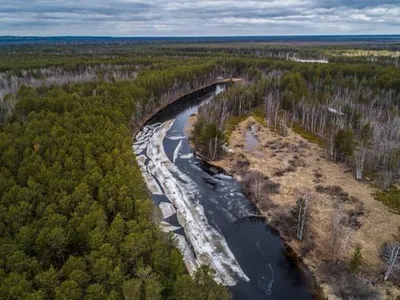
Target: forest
x=76, y=219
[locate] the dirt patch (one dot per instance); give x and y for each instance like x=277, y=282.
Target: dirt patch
x=298, y=166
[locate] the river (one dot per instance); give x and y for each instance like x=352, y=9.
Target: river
x=208, y=214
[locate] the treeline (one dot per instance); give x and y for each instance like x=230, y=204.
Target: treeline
x=18, y=62
x=75, y=218
x=371, y=75
x=44, y=77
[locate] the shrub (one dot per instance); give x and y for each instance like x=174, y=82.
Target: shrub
x=344, y=144
x=356, y=260
x=390, y=198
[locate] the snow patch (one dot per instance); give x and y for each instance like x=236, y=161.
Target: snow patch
x=321, y=61
x=177, y=150
x=227, y=149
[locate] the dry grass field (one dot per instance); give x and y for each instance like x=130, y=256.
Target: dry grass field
x=301, y=168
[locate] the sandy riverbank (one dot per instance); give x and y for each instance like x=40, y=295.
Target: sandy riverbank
x=295, y=167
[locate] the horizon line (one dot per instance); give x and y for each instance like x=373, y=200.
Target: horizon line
x=199, y=36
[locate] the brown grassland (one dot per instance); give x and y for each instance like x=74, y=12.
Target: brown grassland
x=299, y=167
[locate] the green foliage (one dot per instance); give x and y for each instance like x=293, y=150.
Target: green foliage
x=68, y=290
x=74, y=209
x=203, y=287
x=356, y=260
x=309, y=136
x=390, y=198
x=208, y=138
x=366, y=134
x=145, y=287
x=232, y=122
x=259, y=116
x=344, y=143
x=294, y=89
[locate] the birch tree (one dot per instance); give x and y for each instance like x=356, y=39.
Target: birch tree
x=392, y=259
x=300, y=214
x=360, y=161
x=337, y=230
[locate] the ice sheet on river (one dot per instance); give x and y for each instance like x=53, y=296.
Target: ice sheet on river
x=188, y=256
x=209, y=246
x=166, y=227
x=167, y=209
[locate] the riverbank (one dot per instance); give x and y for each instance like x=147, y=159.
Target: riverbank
x=183, y=96
x=208, y=213
x=343, y=213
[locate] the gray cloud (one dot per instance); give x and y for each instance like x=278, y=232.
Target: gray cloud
x=194, y=17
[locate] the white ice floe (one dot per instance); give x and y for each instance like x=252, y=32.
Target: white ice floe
x=188, y=257
x=223, y=176
x=177, y=150
x=167, y=209
x=141, y=159
x=209, y=246
x=152, y=126
x=138, y=149
x=142, y=136
x=152, y=184
x=219, y=89
x=175, y=137
x=186, y=156
x=166, y=227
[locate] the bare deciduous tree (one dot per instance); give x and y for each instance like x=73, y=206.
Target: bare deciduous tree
x=336, y=230
x=392, y=258
x=360, y=161
x=300, y=214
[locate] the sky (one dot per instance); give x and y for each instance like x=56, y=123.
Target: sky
x=197, y=17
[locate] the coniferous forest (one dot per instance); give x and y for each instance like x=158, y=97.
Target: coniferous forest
x=76, y=219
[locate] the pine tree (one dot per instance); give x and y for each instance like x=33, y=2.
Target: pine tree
x=356, y=260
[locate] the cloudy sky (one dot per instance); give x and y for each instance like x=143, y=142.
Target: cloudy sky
x=198, y=17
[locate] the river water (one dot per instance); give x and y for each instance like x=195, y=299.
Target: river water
x=208, y=215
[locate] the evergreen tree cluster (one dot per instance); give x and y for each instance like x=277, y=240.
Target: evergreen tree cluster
x=76, y=221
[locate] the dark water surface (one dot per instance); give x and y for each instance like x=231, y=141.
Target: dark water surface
x=258, y=250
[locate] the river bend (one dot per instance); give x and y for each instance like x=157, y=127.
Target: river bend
x=208, y=215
